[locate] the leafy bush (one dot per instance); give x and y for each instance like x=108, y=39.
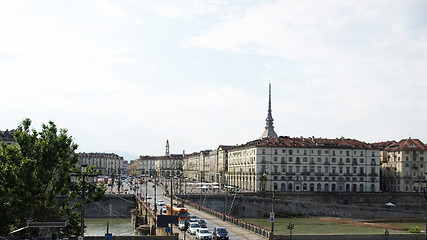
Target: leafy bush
x=415, y=229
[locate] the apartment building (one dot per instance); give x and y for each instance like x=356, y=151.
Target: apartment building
x=105, y=163
x=403, y=166
x=304, y=164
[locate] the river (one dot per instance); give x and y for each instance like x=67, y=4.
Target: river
x=117, y=226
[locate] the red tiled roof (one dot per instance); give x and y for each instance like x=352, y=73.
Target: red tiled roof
x=309, y=143
x=383, y=145
x=407, y=145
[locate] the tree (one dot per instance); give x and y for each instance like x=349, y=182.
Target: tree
x=35, y=179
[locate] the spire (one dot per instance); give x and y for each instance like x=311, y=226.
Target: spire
x=269, y=128
x=167, y=147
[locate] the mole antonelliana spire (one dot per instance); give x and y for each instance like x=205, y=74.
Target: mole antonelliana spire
x=269, y=128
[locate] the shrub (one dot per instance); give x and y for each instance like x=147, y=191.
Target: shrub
x=415, y=229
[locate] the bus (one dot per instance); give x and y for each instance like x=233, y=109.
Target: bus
x=181, y=212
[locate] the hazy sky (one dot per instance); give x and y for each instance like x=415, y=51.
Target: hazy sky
x=125, y=76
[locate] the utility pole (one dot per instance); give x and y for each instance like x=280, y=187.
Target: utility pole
x=171, y=203
x=146, y=200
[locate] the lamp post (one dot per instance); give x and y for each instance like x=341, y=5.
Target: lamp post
x=91, y=178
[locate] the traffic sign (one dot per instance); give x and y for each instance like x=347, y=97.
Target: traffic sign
x=272, y=219
x=272, y=215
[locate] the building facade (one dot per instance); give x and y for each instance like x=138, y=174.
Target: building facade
x=8, y=137
x=304, y=164
x=196, y=165
x=403, y=166
x=105, y=163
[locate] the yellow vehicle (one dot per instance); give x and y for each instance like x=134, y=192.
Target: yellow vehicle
x=182, y=213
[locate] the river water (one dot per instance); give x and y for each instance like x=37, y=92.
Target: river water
x=117, y=226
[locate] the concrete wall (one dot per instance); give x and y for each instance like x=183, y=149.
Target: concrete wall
x=348, y=205
x=354, y=237
x=113, y=205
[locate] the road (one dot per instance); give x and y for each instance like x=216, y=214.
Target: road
x=235, y=232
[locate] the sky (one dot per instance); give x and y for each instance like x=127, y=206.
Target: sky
x=126, y=76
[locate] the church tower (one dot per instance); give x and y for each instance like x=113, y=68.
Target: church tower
x=269, y=128
x=167, y=147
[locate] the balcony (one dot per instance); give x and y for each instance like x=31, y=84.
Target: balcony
x=341, y=163
x=327, y=163
x=333, y=174
x=373, y=174
x=305, y=173
x=319, y=174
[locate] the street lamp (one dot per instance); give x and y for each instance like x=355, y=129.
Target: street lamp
x=90, y=178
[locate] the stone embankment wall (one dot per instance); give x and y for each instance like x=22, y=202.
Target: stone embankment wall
x=348, y=205
x=112, y=206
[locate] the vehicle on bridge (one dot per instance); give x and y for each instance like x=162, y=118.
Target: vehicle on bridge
x=220, y=233
x=203, y=234
x=192, y=229
x=181, y=212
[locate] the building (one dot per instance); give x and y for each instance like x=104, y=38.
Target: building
x=169, y=165
x=304, y=164
x=8, y=137
x=403, y=166
x=196, y=165
x=105, y=163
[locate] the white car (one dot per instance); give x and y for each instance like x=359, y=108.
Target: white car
x=203, y=234
x=160, y=202
x=192, y=229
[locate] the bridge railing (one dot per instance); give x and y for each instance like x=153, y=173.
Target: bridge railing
x=225, y=217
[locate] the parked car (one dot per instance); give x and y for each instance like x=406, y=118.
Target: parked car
x=164, y=209
x=203, y=234
x=192, y=228
x=160, y=202
x=183, y=225
x=148, y=197
x=202, y=223
x=220, y=233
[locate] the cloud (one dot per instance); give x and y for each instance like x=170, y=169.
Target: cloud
x=138, y=21
x=187, y=9
x=110, y=8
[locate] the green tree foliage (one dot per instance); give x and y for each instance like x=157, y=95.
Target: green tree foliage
x=35, y=179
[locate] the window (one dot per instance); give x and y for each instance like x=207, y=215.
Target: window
x=304, y=159
x=263, y=151
x=319, y=159
x=290, y=151
x=290, y=159
x=275, y=151
x=275, y=159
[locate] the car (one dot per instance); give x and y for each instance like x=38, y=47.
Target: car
x=203, y=234
x=148, y=197
x=160, y=202
x=220, y=233
x=164, y=209
x=183, y=225
x=202, y=223
x=192, y=218
x=192, y=228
